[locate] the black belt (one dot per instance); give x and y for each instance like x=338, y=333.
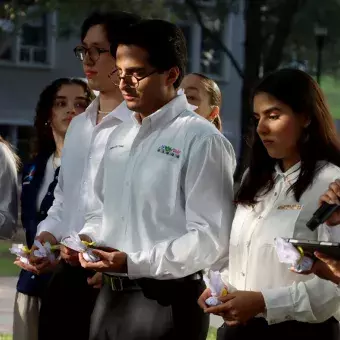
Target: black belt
x=123, y=283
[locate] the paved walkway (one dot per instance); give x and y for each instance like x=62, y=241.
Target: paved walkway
x=7, y=293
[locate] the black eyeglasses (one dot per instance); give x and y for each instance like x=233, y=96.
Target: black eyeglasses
x=93, y=52
x=129, y=79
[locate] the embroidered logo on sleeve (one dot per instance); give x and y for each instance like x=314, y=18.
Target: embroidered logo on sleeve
x=168, y=150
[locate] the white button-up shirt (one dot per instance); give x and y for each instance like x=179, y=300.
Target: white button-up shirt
x=8, y=192
x=254, y=264
x=83, y=150
x=166, y=198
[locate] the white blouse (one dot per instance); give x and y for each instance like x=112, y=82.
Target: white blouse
x=254, y=264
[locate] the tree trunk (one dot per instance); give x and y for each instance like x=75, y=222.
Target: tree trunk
x=252, y=61
x=287, y=12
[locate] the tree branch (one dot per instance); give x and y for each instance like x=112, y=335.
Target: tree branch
x=194, y=8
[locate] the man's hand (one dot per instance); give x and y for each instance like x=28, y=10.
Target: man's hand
x=43, y=265
x=115, y=261
x=69, y=255
x=239, y=307
x=204, y=296
x=332, y=196
x=96, y=280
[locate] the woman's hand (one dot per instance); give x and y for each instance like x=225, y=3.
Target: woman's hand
x=239, y=306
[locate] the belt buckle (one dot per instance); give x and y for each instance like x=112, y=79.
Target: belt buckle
x=114, y=286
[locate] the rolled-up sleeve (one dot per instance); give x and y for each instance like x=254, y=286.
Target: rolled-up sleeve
x=315, y=300
x=208, y=194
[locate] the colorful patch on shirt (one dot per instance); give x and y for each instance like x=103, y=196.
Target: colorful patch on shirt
x=28, y=178
x=168, y=150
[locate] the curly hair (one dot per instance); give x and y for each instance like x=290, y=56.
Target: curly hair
x=44, y=142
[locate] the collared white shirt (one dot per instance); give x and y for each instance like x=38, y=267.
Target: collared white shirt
x=254, y=264
x=166, y=198
x=83, y=150
x=8, y=192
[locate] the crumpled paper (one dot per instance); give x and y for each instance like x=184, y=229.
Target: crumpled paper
x=217, y=287
x=287, y=253
x=75, y=243
x=22, y=252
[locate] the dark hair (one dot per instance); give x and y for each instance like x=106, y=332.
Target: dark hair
x=319, y=141
x=215, y=97
x=115, y=23
x=164, y=42
x=44, y=143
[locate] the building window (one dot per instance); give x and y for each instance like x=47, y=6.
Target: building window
x=33, y=45
x=212, y=58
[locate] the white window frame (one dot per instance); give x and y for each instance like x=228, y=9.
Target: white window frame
x=50, y=48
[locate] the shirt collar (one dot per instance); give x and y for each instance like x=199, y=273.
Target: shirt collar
x=121, y=112
x=166, y=113
x=292, y=172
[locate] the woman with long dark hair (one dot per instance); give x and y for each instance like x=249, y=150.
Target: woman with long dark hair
x=58, y=104
x=295, y=154
x=8, y=190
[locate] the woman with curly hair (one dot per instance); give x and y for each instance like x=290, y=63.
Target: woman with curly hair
x=59, y=102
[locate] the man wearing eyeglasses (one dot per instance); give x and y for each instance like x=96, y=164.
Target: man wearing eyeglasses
x=71, y=295
x=167, y=205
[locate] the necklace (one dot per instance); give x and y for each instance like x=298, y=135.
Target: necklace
x=103, y=112
x=55, y=165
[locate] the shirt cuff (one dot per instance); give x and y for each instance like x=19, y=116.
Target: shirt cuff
x=279, y=305
x=58, y=235
x=138, y=265
x=91, y=232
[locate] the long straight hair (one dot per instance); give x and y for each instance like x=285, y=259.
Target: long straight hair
x=319, y=142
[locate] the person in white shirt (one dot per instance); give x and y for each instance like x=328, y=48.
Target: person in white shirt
x=294, y=155
x=69, y=295
x=164, y=198
x=204, y=93
x=9, y=190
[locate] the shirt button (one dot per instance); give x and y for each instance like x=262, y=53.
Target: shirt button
x=243, y=274
x=123, y=218
x=48, y=194
x=259, y=217
x=84, y=182
x=275, y=194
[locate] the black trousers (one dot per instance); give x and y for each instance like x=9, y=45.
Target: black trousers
x=157, y=311
x=67, y=305
x=289, y=330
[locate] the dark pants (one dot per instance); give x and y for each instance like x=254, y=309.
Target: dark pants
x=289, y=330
x=159, y=310
x=67, y=305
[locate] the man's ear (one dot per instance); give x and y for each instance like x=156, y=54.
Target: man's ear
x=173, y=75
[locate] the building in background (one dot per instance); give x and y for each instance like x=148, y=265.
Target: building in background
x=37, y=56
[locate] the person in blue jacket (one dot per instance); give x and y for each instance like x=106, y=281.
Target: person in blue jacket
x=59, y=102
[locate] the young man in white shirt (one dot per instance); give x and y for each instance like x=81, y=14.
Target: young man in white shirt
x=167, y=205
x=70, y=297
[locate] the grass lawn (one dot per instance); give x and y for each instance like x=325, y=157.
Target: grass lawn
x=7, y=268
x=331, y=88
